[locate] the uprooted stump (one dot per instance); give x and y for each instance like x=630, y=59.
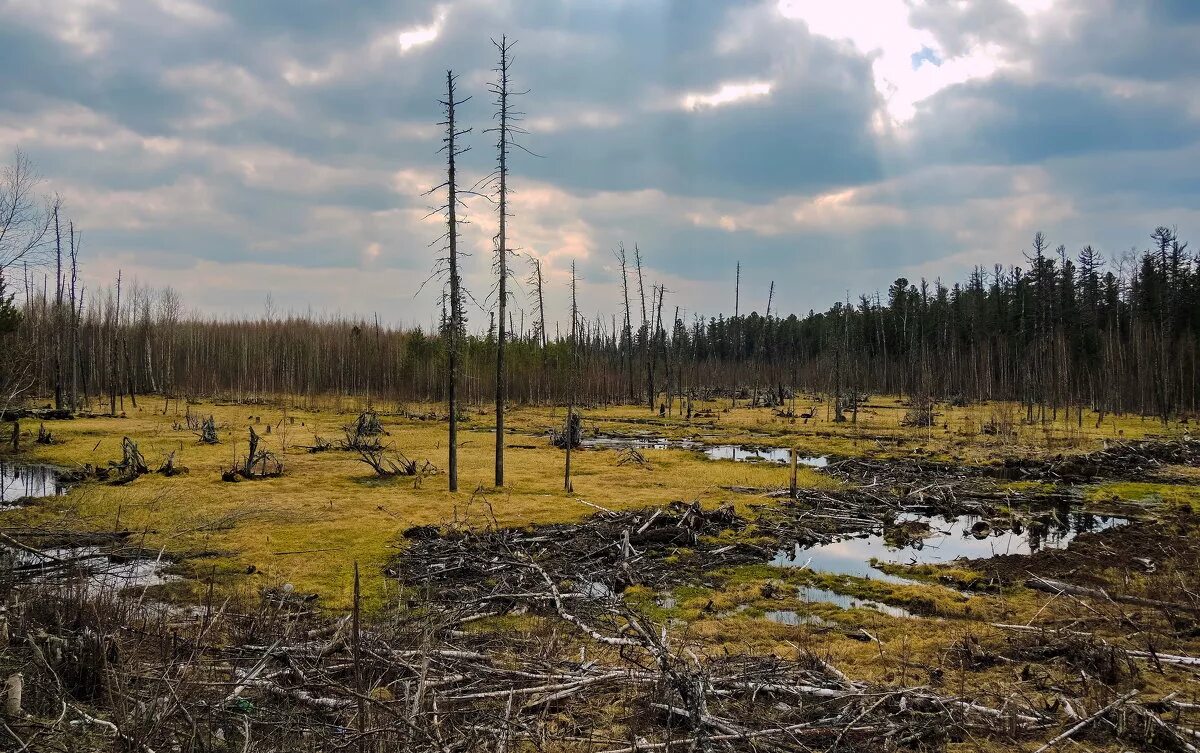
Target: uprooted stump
x=44, y=436
x=364, y=434
x=367, y=424
x=257, y=464
x=170, y=468
x=131, y=465
x=572, y=432
x=208, y=431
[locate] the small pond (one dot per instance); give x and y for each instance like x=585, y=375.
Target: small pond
x=20, y=480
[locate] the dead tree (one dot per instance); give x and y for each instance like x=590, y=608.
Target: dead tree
x=536, y=279
x=76, y=315
x=112, y=353
x=505, y=131
x=454, y=327
x=571, y=385
x=645, y=334
x=628, y=321
x=58, y=296
x=737, y=329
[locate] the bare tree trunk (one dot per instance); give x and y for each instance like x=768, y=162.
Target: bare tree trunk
x=456, y=321
x=571, y=386
x=58, y=319
x=500, y=89
x=75, y=316
x=628, y=321
x=112, y=367
x=637, y=255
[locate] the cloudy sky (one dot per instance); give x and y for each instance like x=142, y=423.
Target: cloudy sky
x=239, y=148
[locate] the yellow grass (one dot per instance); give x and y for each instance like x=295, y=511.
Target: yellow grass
x=329, y=510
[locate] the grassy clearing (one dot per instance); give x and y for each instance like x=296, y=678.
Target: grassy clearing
x=329, y=510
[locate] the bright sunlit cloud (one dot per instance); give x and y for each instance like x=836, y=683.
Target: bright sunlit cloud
x=406, y=39
x=727, y=94
x=908, y=63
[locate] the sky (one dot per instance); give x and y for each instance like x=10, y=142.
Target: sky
x=281, y=150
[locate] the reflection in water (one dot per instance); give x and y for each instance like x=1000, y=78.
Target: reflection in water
x=601, y=442
x=788, y=617
x=965, y=536
x=780, y=455
x=809, y=593
x=19, y=480
x=92, y=567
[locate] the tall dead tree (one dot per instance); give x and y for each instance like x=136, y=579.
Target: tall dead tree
x=536, y=279
x=571, y=384
x=112, y=355
x=75, y=317
x=504, y=130
x=58, y=300
x=454, y=327
x=628, y=320
x=645, y=333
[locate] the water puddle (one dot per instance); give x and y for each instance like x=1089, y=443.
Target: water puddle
x=779, y=455
x=795, y=619
x=965, y=536
x=99, y=571
x=843, y=601
x=19, y=481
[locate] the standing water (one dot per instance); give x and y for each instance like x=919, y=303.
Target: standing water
x=18, y=481
x=780, y=455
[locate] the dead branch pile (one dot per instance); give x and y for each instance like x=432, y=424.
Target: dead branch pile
x=258, y=463
x=593, y=674
x=605, y=553
x=920, y=414
x=389, y=463
x=1126, y=460
x=319, y=444
x=170, y=468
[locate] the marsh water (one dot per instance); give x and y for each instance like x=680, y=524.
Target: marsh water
x=948, y=539
x=20, y=481
x=745, y=454
x=95, y=568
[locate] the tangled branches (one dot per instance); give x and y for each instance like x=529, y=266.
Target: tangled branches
x=257, y=464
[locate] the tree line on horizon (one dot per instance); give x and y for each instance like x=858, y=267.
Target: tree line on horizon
x=1058, y=333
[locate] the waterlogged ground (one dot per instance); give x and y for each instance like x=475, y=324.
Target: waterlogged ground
x=904, y=571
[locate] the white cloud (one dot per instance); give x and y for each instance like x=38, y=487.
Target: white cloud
x=726, y=94
x=884, y=30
